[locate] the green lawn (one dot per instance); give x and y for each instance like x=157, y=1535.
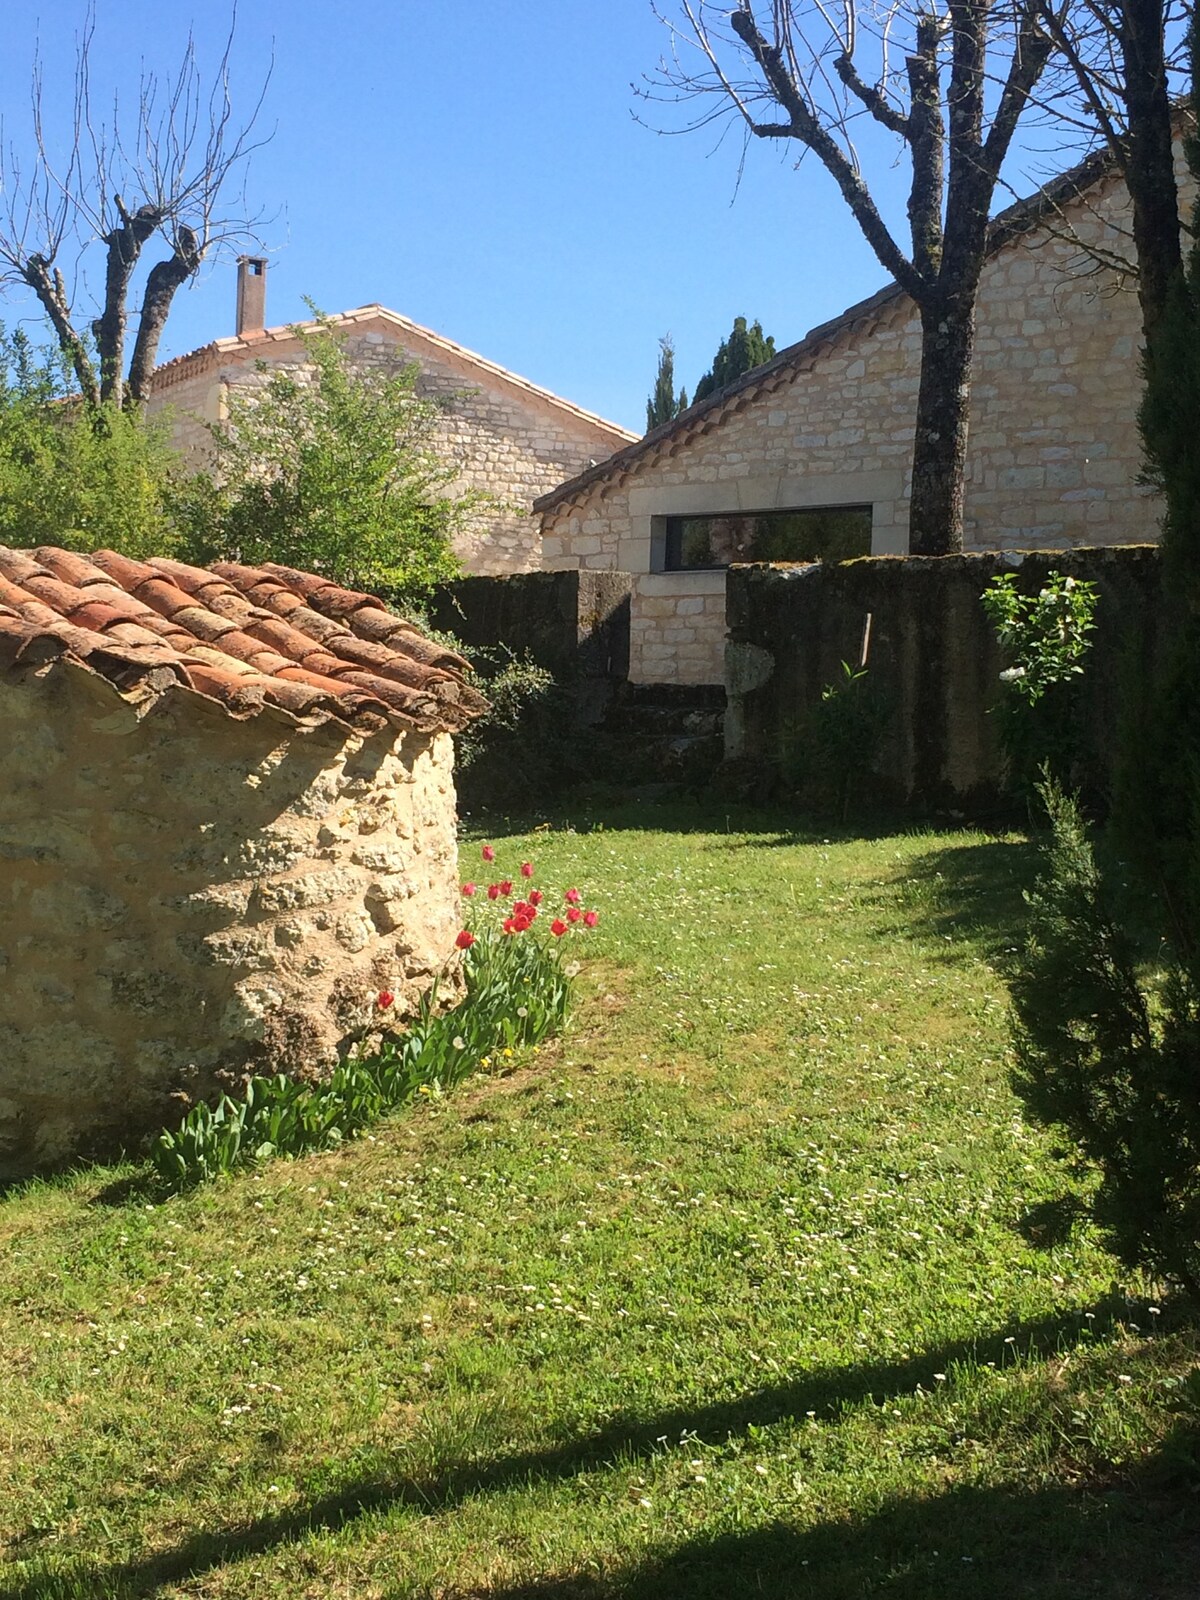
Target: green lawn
x=755, y=1284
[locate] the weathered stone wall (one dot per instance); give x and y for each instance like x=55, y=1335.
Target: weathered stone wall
x=189, y=896
x=573, y=623
x=1053, y=452
x=510, y=444
x=934, y=663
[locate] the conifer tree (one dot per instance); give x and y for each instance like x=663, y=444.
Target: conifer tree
x=745, y=349
x=664, y=403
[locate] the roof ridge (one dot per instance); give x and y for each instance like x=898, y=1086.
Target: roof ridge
x=358, y=314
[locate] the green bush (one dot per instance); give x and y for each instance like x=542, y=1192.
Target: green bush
x=86, y=478
x=334, y=469
x=1047, y=637
x=823, y=756
x=527, y=740
x=1108, y=1047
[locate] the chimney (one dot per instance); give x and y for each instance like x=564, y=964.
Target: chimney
x=251, y=296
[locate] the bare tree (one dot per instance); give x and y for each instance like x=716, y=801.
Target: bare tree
x=1129, y=60
x=923, y=71
x=172, y=170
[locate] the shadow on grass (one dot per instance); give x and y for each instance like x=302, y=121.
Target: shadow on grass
x=824, y=1393
x=1133, y=1540
x=971, y=892
x=748, y=825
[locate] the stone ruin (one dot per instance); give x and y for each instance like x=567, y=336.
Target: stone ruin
x=227, y=824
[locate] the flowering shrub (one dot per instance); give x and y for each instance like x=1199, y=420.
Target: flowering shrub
x=518, y=992
x=1047, y=636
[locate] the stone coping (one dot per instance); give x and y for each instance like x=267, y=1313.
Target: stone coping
x=249, y=639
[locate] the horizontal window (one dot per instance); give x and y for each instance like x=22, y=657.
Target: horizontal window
x=817, y=533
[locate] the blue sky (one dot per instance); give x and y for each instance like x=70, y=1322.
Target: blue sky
x=478, y=167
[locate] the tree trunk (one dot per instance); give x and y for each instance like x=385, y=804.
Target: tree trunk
x=935, y=524
x=1150, y=167
x=164, y=279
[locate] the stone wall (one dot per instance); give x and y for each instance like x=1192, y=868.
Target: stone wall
x=188, y=896
x=574, y=623
x=1053, y=453
x=511, y=441
x=934, y=663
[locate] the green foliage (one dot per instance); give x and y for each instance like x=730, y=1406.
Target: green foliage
x=664, y=403
x=1109, y=1049
x=744, y=349
x=518, y=993
x=1047, y=636
x=86, y=478
x=525, y=743
x=824, y=756
x=334, y=469
x=1107, y=1052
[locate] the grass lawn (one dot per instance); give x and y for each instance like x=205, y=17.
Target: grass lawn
x=754, y=1284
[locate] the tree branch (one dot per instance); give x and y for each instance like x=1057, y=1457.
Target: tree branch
x=874, y=99
x=805, y=126
x=927, y=135
x=47, y=284
x=164, y=280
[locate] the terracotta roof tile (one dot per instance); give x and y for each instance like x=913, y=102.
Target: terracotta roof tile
x=247, y=637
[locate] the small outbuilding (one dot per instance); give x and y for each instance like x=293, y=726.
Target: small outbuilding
x=227, y=824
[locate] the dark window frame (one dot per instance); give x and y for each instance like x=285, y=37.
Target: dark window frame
x=673, y=531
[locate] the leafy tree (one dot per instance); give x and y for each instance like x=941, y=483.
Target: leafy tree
x=664, y=403
x=335, y=469
x=72, y=475
x=745, y=349
x=949, y=80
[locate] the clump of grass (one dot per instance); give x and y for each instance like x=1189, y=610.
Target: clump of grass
x=518, y=992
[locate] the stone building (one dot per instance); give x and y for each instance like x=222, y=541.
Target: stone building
x=809, y=455
x=227, y=823
x=512, y=439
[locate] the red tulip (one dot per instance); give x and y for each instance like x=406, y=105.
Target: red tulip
x=527, y=869
x=572, y=897
x=465, y=939
x=520, y=924
x=574, y=914
x=558, y=927
x=506, y=888
x=493, y=891
x=535, y=897
x=590, y=918
x=468, y=889
x=508, y=925
x=488, y=853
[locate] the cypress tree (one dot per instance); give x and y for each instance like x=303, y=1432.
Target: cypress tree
x=745, y=349
x=663, y=403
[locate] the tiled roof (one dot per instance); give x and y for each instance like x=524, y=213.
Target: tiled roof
x=248, y=638
x=1020, y=218
x=258, y=344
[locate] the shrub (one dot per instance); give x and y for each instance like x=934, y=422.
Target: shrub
x=1047, y=636
x=333, y=469
x=1107, y=1050
x=82, y=477
x=823, y=756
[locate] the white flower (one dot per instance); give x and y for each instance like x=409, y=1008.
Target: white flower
x=1012, y=674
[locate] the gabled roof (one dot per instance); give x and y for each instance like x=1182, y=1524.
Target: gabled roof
x=248, y=638
x=210, y=357
x=1010, y=224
